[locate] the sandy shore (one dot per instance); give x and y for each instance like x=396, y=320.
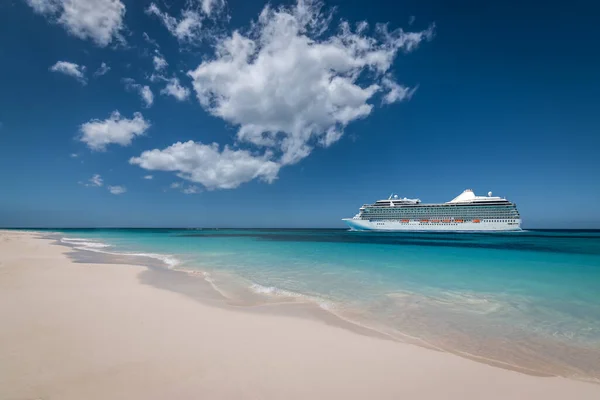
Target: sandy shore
x=97, y=331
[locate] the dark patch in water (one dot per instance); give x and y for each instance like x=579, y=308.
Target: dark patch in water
x=514, y=241
x=560, y=242
x=367, y=238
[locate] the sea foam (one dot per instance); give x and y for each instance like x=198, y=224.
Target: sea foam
x=84, y=243
x=283, y=293
x=95, y=246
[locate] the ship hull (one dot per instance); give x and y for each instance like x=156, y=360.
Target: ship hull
x=418, y=226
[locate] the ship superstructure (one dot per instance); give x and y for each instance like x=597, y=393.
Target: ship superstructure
x=466, y=212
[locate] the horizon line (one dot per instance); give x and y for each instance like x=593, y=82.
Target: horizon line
x=264, y=228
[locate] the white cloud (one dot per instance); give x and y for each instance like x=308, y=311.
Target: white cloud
x=95, y=180
x=175, y=89
x=104, y=68
x=98, y=20
x=144, y=91
x=290, y=83
x=396, y=92
x=289, y=86
x=147, y=95
x=208, y=165
x=189, y=189
x=117, y=189
x=44, y=6
x=211, y=6
x=74, y=155
x=192, y=189
x=71, y=69
x=148, y=177
x=159, y=63
x=186, y=29
x=157, y=77
x=150, y=40
x=97, y=134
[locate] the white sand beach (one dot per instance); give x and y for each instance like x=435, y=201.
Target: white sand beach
x=96, y=331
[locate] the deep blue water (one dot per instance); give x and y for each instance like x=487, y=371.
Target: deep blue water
x=529, y=299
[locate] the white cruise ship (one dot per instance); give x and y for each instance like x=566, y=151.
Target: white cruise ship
x=466, y=212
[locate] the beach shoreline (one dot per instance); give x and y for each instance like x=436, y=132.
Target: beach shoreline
x=87, y=330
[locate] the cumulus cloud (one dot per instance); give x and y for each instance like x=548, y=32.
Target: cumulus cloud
x=291, y=82
x=102, y=70
x=175, y=89
x=208, y=165
x=70, y=69
x=98, y=20
x=186, y=29
x=144, y=91
x=289, y=86
x=117, y=189
x=98, y=134
x=159, y=63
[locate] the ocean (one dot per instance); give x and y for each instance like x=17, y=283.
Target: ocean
x=528, y=301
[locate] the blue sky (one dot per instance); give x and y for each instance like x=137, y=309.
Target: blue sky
x=296, y=114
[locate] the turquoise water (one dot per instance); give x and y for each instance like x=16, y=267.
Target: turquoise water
x=527, y=300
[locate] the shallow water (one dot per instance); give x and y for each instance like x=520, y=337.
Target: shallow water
x=525, y=300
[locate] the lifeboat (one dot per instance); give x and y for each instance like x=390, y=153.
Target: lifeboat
x=458, y=220
x=405, y=220
x=446, y=221
x=435, y=220
x=476, y=221
x=424, y=220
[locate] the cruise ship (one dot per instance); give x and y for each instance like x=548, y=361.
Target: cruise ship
x=466, y=212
